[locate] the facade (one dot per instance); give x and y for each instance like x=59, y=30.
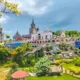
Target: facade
x=1, y=35
x=46, y=35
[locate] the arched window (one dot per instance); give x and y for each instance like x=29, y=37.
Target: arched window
x=39, y=36
x=53, y=40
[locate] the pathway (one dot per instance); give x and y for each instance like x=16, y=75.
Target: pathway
x=34, y=50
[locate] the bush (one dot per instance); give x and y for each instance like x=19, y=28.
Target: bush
x=77, y=62
x=42, y=67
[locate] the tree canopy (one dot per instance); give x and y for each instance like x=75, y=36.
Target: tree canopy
x=9, y=7
x=58, y=32
x=72, y=33
x=4, y=53
x=18, y=53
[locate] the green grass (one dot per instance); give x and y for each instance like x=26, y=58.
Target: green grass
x=64, y=77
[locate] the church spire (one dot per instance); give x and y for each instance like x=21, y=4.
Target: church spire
x=33, y=24
x=33, y=21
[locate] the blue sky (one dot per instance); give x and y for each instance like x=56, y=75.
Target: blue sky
x=56, y=14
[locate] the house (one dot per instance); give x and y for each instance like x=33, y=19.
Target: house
x=63, y=34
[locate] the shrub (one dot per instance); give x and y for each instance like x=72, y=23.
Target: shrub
x=42, y=67
x=77, y=62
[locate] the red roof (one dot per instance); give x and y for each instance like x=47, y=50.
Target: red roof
x=19, y=74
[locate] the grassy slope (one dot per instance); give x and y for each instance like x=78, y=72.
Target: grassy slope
x=64, y=77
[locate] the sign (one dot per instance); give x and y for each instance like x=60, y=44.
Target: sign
x=13, y=44
x=77, y=44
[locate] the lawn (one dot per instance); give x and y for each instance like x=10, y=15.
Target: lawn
x=64, y=77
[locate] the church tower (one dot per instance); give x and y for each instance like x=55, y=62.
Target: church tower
x=33, y=28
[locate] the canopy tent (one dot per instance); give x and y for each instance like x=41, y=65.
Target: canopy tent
x=19, y=74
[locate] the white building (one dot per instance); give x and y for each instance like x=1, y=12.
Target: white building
x=45, y=35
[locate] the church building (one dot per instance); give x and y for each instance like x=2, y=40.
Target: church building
x=34, y=34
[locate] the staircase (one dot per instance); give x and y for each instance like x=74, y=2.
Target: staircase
x=34, y=50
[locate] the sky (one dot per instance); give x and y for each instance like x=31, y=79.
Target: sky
x=55, y=14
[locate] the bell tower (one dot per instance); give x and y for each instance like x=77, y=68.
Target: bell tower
x=33, y=28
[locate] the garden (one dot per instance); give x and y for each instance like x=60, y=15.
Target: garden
x=38, y=65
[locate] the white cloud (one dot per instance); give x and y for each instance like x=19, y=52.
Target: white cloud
x=4, y=19
x=34, y=7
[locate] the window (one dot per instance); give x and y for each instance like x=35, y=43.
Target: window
x=49, y=41
x=53, y=40
x=46, y=37
x=46, y=41
x=39, y=36
x=42, y=37
x=40, y=41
